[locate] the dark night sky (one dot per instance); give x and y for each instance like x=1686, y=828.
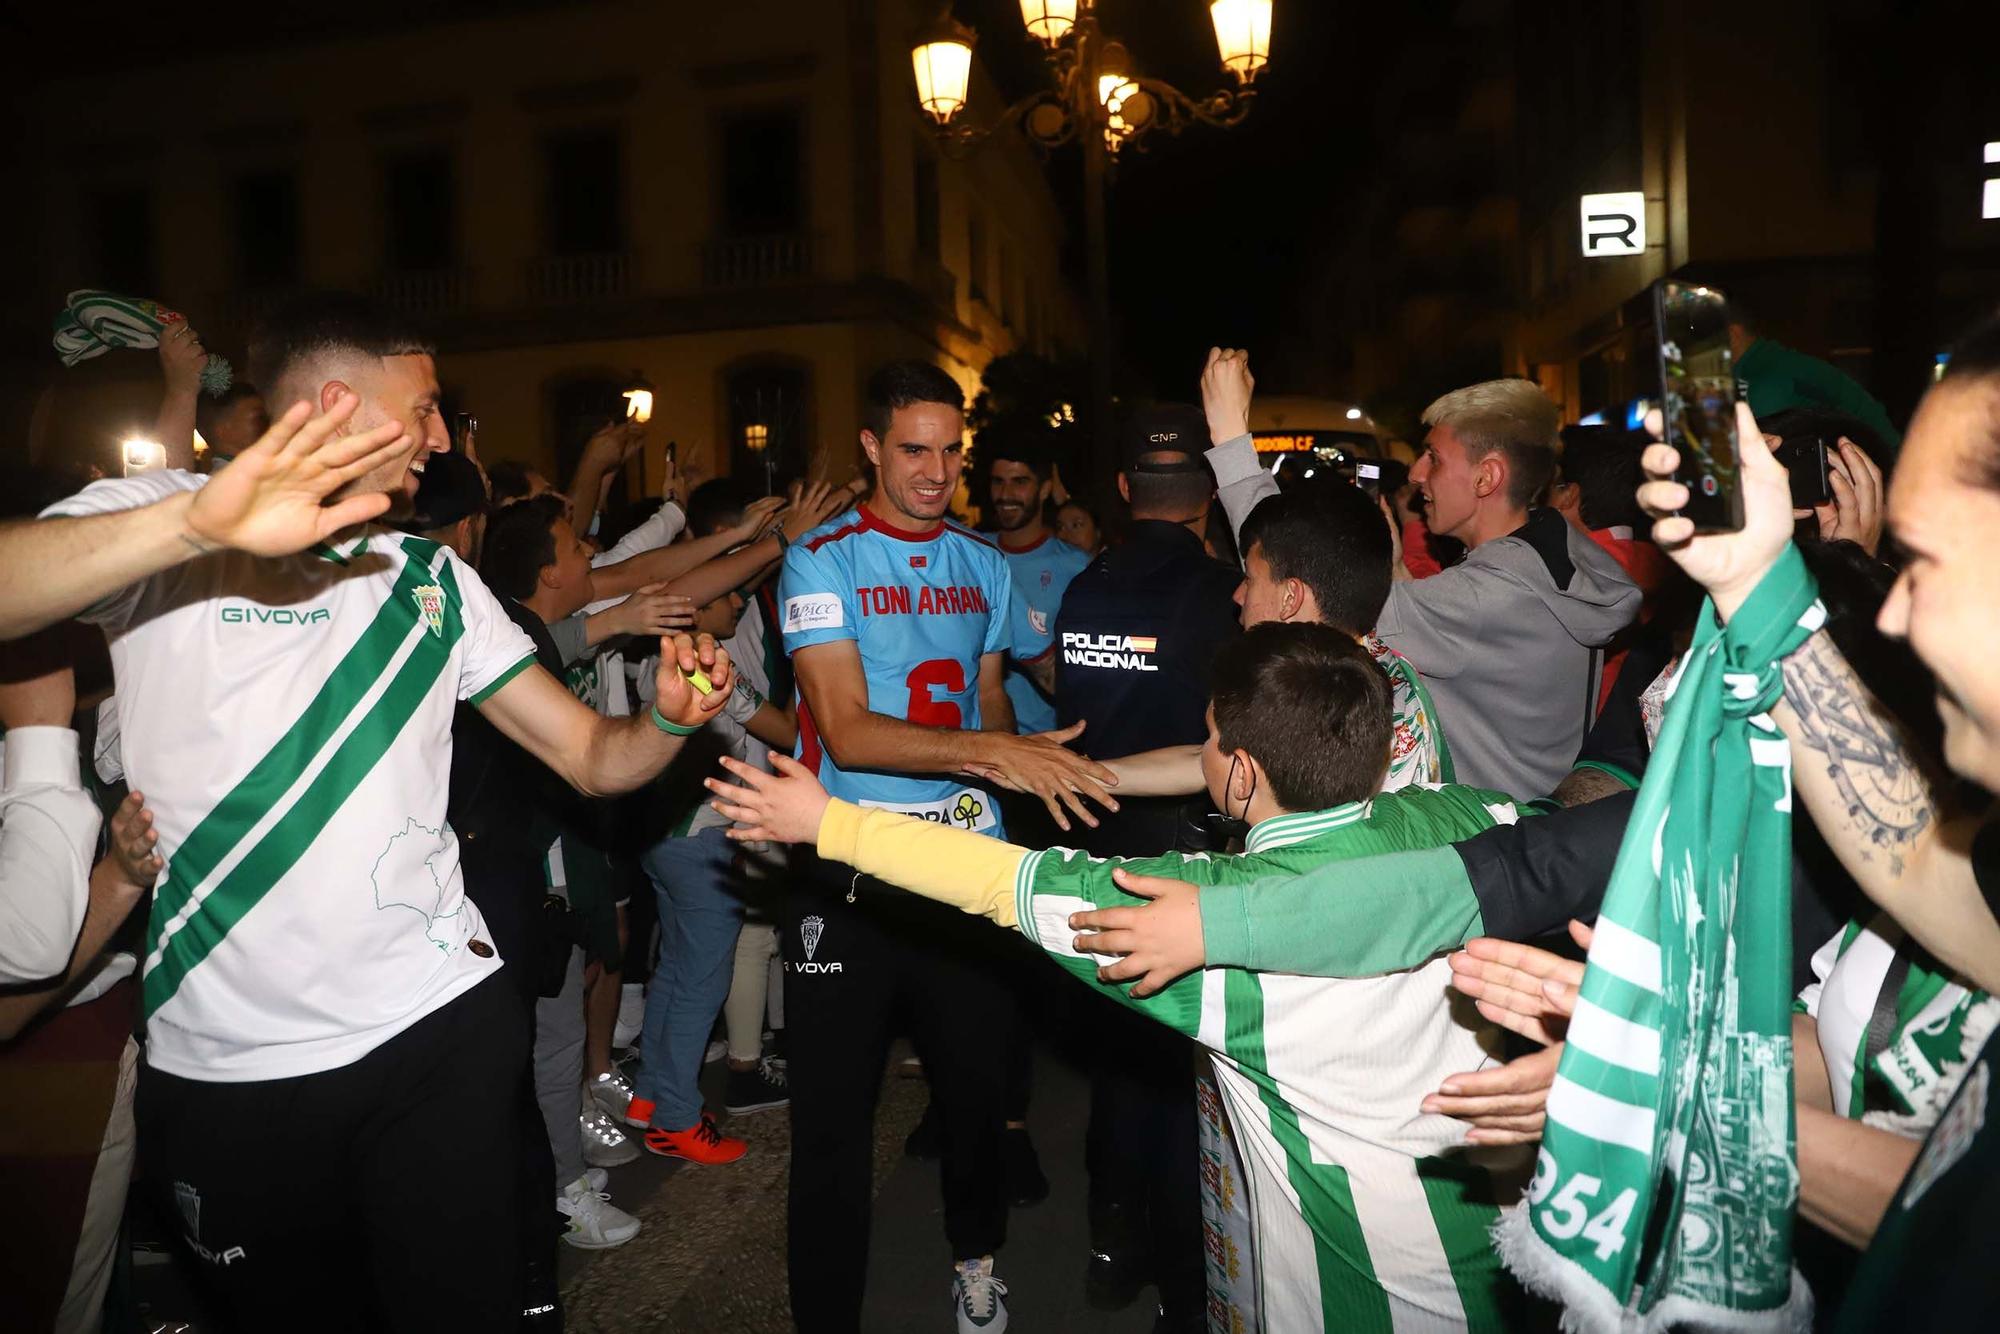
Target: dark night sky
x=1212, y=233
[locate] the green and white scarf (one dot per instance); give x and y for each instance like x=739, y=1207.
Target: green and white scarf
x=95, y=322
x=1665, y=1188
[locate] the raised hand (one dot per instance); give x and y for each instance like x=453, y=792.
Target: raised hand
x=612, y=444
x=811, y=508
x=182, y=357
x=1159, y=941
x=654, y=611
x=785, y=807
x=675, y=695
x=1728, y=565
x=757, y=519
x=1855, y=512
x=1226, y=385
x=274, y=498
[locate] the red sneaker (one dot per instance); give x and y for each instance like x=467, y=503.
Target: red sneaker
x=639, y=1113
x=700, y=1143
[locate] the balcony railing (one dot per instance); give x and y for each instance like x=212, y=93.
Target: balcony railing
x=758, y=261
x=577, y=280
x=422, y=292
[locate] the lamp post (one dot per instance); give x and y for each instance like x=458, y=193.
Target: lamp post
x=1099, y=101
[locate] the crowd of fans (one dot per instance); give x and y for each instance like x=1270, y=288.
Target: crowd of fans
x=477, y=813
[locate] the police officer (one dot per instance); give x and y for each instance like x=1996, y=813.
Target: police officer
x=1135, y=638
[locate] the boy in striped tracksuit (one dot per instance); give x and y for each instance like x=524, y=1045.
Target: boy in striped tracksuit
x=1370, y=1214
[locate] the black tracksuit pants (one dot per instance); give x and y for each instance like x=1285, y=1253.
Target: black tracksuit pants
x=851, y=970
x=380, y=1195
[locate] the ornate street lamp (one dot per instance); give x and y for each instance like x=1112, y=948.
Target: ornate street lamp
x=1242, y=35
x=1097, y=100
x=1048, y=20
x=943, y=60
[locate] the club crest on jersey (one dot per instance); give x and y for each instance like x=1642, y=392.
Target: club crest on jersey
x=430, y=606
x=810, y=930
x=919, y=562
x=1038, y=621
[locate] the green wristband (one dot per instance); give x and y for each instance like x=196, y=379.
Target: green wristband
x=671, y=728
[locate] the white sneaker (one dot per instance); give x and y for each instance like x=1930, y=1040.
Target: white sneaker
x=604, y=1144
x=595, y=1224
x=714, y=1052
x=979, y=1299
x=631, y=1014
x=611, y=1091
x=599, y=1179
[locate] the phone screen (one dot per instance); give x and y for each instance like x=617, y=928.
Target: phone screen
x=1698, y=397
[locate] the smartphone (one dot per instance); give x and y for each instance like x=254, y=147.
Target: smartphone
x=1698, y=401
x=143, y=456
x=464, y=432
x=1805, y=457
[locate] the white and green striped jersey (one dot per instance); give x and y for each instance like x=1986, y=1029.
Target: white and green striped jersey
x=290, y=724
x=1369, y=1213
x=1940, y=1025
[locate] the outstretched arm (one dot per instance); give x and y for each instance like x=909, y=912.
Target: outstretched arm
x=835, y=689
x=182, y=358
x=1241, y=482
x=1171, y=771
x=1029, y=891
x=969, y=871
x=600, y=756
x=279, y=496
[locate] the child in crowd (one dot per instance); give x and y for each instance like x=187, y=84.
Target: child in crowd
x=1370, y=1214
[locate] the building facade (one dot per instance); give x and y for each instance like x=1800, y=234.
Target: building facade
x=1825, y=165
x=741, y=205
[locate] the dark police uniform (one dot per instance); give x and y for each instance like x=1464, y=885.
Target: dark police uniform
x=1136, y=639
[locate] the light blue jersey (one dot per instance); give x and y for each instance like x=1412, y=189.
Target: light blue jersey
x=923, y=610
x=1041, y=573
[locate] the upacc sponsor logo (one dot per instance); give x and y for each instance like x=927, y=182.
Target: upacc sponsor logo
x=1125, y=653
x=814, y=611
x=273, y=616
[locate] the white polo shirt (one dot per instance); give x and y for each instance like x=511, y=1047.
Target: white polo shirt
x=289, y=721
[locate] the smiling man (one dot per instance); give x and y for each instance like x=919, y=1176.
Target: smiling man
x=896, y=623
x=1020, y=479
x=319, y=994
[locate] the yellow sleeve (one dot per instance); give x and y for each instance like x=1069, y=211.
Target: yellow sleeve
x=969, y=871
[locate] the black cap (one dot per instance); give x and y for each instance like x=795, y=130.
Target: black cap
x=450, y=490
x=1165, y=438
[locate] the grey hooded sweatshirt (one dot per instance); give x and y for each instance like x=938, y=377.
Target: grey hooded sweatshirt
x=1504, y=640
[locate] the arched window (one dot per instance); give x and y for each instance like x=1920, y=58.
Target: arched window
x=768, y=414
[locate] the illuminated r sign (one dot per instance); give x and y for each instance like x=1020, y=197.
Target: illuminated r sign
x=1614, y=224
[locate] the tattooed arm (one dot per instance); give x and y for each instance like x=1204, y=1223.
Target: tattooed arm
x=1853, y=768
